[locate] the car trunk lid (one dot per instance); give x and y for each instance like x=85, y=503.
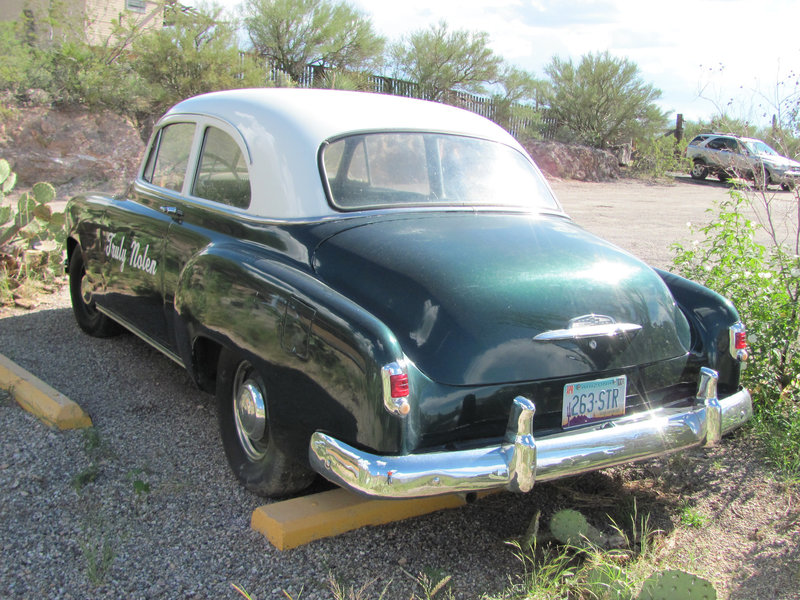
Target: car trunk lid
x=488, y=298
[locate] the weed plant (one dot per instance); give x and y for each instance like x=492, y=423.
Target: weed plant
x=691, y=517
x=750, y=253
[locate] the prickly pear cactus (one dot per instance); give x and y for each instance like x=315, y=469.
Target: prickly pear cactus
x=33, y=219
x=676, y=585
x=7, y=182
x=31, y=237
x=571, y=527
x=8, y=179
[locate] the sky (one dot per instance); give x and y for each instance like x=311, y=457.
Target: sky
x=706, y=56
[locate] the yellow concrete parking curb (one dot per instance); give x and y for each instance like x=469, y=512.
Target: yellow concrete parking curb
x=38, y=398
x=295, y=522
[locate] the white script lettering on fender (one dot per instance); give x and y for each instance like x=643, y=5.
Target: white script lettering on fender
x=116, y=251
x=138, y=256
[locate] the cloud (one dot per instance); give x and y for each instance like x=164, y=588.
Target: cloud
x=566, y=14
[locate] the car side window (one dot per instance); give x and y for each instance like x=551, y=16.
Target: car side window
x=171, y=156
x=732, y=145
x=222, y=174
x=717, y=144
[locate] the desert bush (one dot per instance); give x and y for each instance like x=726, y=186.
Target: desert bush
x=656, y=157
x=763, y=282
x=31, y=238
x=197, y=52
x=94, y=77
x=23, y=65
x=601, y=101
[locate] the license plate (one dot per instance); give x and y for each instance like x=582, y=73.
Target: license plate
x=590, y=401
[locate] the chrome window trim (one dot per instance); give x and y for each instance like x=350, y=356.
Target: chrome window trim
x=519, y=150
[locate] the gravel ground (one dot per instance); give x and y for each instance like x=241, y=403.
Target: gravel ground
x=144, y=506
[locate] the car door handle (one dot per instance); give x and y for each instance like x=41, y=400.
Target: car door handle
x=173, y=212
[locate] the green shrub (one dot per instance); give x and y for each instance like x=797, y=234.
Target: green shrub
x=24, y=65
x=198, y=52
x=763, y=282
x=655, y=158
x=94, y=77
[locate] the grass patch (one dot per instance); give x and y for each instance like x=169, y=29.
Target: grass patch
x=779, y=431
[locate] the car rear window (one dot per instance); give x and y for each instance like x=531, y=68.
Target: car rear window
x=411, y=169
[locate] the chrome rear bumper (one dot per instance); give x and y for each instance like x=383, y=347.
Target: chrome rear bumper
x=521, y=460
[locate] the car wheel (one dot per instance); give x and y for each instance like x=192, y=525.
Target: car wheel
x=245, y=428
x=91, y=320
x=787, y=187
x=699, y=170
x=724, y=176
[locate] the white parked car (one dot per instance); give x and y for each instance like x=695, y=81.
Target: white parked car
x=730, y=156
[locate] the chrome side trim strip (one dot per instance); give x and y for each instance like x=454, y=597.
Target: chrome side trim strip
x=587, y=331
x=517, y=464
x=138, y=332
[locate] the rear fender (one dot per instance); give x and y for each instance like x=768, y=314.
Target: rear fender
x=321, y=354
x=710, y=316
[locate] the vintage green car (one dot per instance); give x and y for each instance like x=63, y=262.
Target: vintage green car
x=385, y=291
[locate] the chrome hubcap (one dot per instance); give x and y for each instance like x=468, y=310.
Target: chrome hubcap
x=249, y=412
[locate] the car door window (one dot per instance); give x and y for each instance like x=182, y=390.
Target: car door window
x=222, y=173
x=732, y=145
x=172, y=156
x=717, y=144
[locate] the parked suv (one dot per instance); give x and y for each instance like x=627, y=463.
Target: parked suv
x=728, y=156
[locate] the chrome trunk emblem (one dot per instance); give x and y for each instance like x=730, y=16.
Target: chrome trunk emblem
x=591, y=319
x=588, y=326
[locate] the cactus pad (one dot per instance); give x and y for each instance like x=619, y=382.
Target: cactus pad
x=676, y=585
x=571, y=527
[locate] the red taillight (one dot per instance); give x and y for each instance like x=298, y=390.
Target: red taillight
x=396, y=392
x=740, y=340
x=398, y=385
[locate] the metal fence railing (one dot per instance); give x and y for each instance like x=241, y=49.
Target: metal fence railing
x=519, y=119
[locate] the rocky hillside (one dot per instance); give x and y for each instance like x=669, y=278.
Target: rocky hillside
x=564, y=161
x=72, y=149
x=77, y=150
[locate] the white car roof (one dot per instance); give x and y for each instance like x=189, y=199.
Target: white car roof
x=283, y=129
